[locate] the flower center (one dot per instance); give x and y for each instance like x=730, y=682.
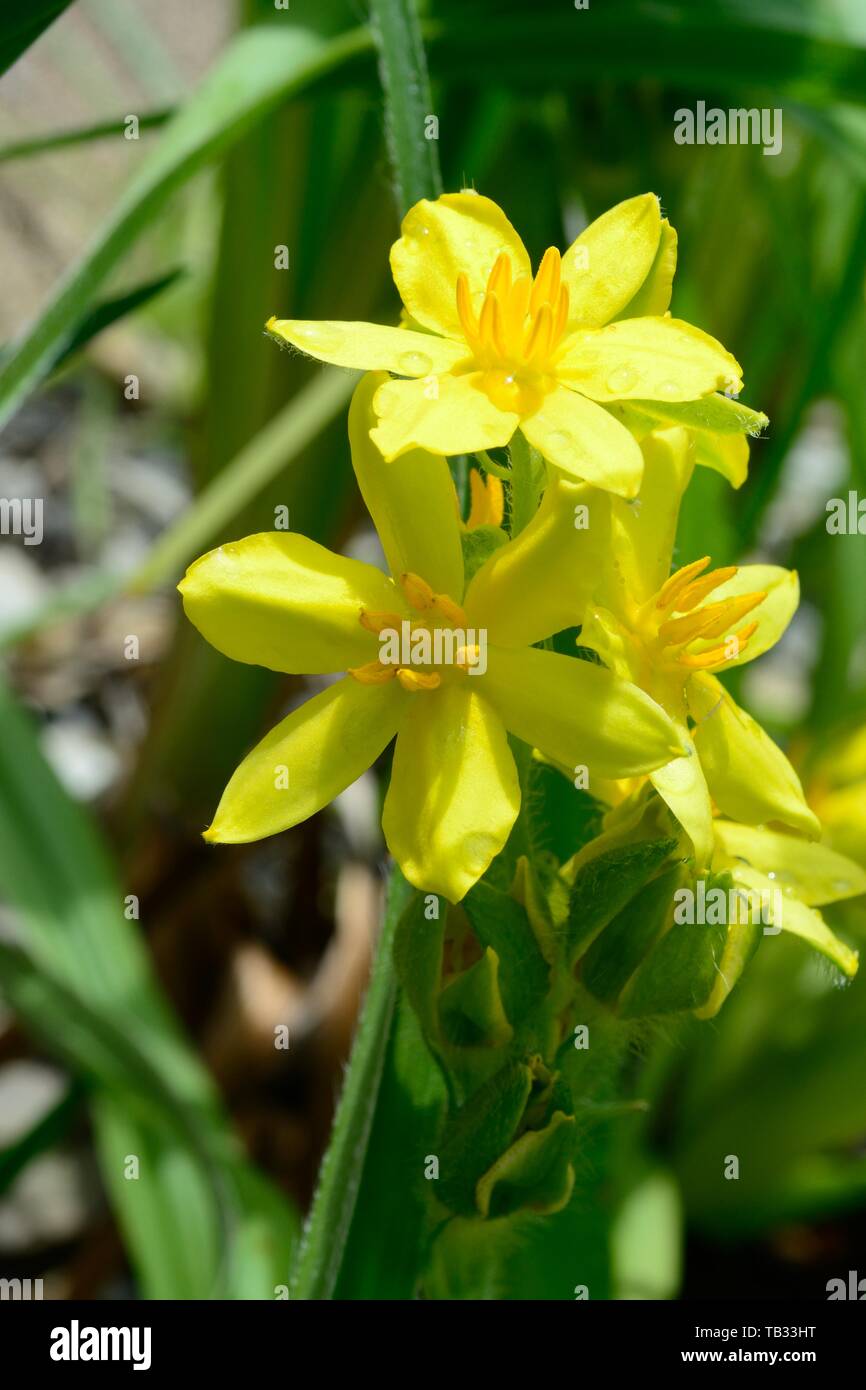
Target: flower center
x=419, y=651
x=677, y=625
x=515, y=335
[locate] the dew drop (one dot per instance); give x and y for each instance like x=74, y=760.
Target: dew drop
x=561, y=439
x=622, y=379
x=414, y=363
x=667, y=391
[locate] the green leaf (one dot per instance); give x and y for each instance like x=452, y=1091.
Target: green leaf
x=403, y=71
x=85, y=964
x=604, y=885
x=21, y=25
x=535, y=1174
x=418, y=947
x=316, y=1270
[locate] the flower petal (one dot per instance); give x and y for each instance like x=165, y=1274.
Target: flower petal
x=795, y=917
x=577, y=713
x=447, y=415
x=772, y=616
x=643, y=534
x=308, y=759
x=280, y=600
x=608, y=263
x=749, y=777
x=682, y=785
x=584, y=440
x=540, y=583
x=412, y=503
x=370, y=347
x=654, y=295
x=454, y=792
x=653, y=359
x=459, y=233
x=814, y=873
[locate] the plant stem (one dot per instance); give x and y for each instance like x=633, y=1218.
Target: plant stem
x=318, y=1263
x=413, y=151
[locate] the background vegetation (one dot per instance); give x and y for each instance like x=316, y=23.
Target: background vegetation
x=143, y=973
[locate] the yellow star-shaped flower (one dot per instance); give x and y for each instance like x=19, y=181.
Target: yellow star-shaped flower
x=488, y=348
x=282, y=601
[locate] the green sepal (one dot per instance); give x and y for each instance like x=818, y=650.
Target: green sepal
x=678, y=974
x=535, y=1174
x=603, y=886
x=471, y=1012
x=478, y=545
x=503, y=924
x=479, y=1132
x=615, y=955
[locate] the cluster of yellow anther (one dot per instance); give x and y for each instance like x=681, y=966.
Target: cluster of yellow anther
x=439, y=610
x=515, y=333
x=678, y=620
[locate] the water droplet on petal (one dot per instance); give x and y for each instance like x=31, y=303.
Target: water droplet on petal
x=560, y=439
x=621, y=379
x=667, y=391
x=414, y=363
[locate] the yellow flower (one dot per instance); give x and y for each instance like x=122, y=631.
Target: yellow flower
x=491, y=349
x=790, y=878
x=670, y=634
x=487, y=501
x=836, y=788
x=282, y=601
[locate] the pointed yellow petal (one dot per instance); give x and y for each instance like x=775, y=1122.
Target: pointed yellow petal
x=308, y=759
x=654, y=295
x=749, y=777
x=369, y=346
x=577, y=713
x=584, y=440
x=540, y=583
x=459, y=233
x=607, y=265
x=795, y=917
x=282, y=601
x=448, y=415
x=771, y=616
x=643, y=534
x=681, y=784
x=411, y=502
x=814, y=873
x=454, y=792
x=653, y=359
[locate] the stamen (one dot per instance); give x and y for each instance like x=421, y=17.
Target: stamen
x=487, y=320
x=445, y=606
x=373, y=673
x=679, y=581
x=539, y=337
x=724, y=614
x=465, y=312
x=499, y=280
x=716, y=656
x=418, y=593
x=697, y=592
x=546, y=286
x=413, y=681
x=378, y=622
